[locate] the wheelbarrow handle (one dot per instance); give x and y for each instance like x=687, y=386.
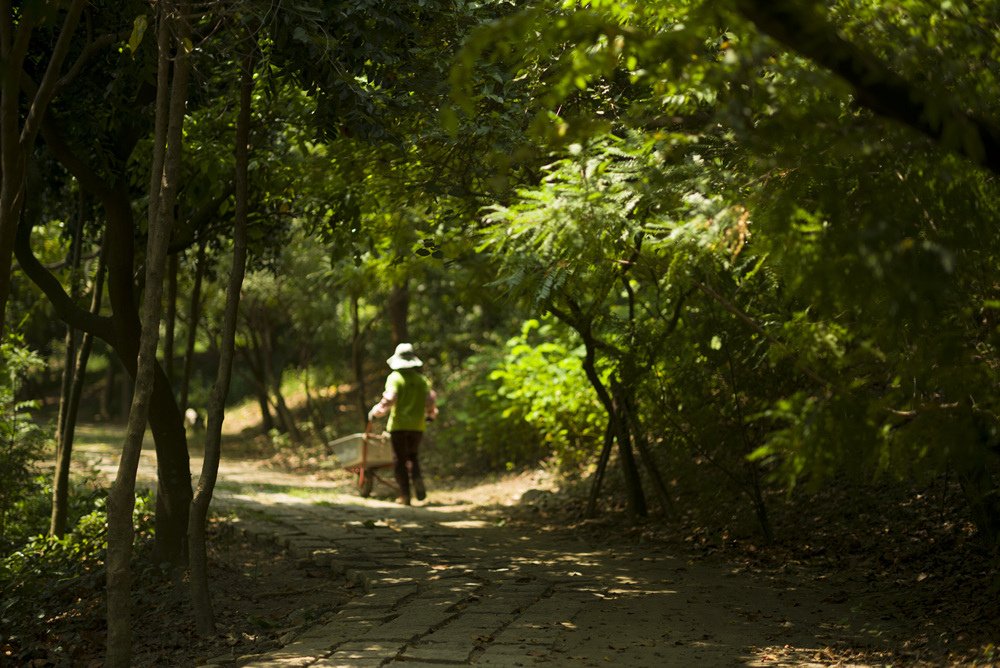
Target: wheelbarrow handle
x=364, y=454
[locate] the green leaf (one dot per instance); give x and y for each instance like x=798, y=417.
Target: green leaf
x=138, y=30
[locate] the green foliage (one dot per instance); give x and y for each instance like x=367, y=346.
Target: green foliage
x=21, y=438
x=763, y=262
x=541, y=381
x=473, y=434
x=803, y=276
x=32, y=512
x=43, y=578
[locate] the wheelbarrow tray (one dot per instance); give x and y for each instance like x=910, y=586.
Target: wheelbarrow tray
x=371, y=449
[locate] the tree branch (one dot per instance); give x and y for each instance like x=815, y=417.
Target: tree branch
x=68, y=310
x=88, y=51
x=185, y=236
x=47, y=88
x=86, y=175
x=804, y=30
x=752, y=324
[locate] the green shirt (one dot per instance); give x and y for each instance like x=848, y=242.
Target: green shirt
x=410, y=388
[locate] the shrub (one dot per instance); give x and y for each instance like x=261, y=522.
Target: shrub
x=21, y=438
x=51, y=582
x=527, y=401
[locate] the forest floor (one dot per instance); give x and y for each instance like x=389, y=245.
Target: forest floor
x=315, y=575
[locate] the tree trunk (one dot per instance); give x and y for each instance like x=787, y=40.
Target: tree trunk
x=107, y=396
x=399, y=311
x=254, y=371
x=122, y=331
x=272, y=376
x=72, y=335
x=204, y=616
x=170, y=320
x=633, y=484
x=315, y=411
x=69, y=366
x=267, y=423
x=357, y=357
x=602, y=465
x=626, y=455
x=194, y=314
x=753, y=473
x=162, y=193
x=636, y=499
x=639, y=438
x=64, y=453
x=71, y=341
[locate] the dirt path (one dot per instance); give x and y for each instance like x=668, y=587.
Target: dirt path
x=447, y=583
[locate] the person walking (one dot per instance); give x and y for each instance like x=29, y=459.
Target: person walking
x=410, y=403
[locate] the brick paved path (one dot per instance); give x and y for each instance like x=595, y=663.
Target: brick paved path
x=441, y=588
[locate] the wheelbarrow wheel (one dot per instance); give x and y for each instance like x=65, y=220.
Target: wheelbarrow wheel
x=365, y=488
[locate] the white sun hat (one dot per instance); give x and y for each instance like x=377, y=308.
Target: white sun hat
x=404, y=358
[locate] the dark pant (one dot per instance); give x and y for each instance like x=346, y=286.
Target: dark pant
x=405, y=445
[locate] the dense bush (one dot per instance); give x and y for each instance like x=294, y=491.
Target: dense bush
x=520, y=402
x=50, y=578
x=21, y=438
x=473, y=434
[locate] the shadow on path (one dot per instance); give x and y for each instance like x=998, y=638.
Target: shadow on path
x=445, y=584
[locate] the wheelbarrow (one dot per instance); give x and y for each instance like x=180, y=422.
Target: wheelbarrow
x=365, y=455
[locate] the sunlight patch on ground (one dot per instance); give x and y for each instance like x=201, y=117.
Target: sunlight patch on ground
x=466, y=524
x=800, y=657
x=504, y=491
x=639, y=592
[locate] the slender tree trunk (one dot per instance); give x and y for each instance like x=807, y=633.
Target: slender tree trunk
x=633, y=483
x=69, y=366
x=194, y=314
x=170, y=320
x=171, y=102
x=399, y=312
x=626, y=456
x=267, y=423
x=753, y=473
x=631, y=415
x=602, y=465
x=254, y=370
x=204, y=616
x=107, y=390
x=357, y=357
x=315, y=413
x=60, y=484
x=72, y=335
x=759, y=505
x=285, y=417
